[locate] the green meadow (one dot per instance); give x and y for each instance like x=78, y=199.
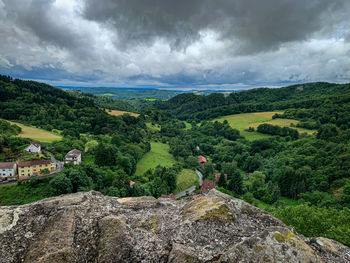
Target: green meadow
x=36, y=134
x=185, y=179
x=243, y=121
x=159, y=155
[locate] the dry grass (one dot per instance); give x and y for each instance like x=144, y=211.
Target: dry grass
x=120, y=112
x=36, y=133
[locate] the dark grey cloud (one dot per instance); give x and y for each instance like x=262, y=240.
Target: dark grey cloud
x=252, y=25
x=201, y=43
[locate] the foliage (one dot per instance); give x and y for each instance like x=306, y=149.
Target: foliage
x=314, y=221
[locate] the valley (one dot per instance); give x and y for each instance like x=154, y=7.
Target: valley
x=271, y=148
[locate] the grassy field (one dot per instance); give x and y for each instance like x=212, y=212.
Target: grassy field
x=36, y=133
x=159, y=155
x=152, y=127
x=120, y=112
x=185, y=179
x=243, y=121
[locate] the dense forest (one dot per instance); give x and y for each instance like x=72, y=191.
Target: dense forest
x=301, y=178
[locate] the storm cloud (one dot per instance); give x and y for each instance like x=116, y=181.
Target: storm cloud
x=185, y=43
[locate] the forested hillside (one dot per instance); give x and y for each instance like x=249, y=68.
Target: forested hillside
x=326, y=97
x=51, y=108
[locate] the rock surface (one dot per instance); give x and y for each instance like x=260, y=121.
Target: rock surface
x=90, y=227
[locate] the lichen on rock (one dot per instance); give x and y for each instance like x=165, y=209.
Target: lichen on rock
x=90, y=227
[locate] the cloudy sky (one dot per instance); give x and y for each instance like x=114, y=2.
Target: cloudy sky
x=199, y=44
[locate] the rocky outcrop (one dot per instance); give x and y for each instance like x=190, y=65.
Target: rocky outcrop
x=90, y=227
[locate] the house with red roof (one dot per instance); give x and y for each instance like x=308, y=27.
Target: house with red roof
x=170, y=196
x=218, y=175
x=207, y=185
x=202, y=161
x=131, y=183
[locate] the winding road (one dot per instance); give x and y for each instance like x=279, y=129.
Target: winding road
x=53, y=159
x=192, y=188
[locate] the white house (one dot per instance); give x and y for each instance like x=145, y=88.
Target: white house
x=33, y=147
x=73, y=156
x=7, y=169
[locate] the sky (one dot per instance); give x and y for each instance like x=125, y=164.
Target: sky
x=182, y=44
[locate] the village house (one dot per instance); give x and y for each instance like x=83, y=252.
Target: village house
x=170, y=196
x=35, y=167
x=218, y=175
x=33, y=147
x=202, y=161
x=207, y=186
x=131, y=184
x=73, y=156
x=7, y=169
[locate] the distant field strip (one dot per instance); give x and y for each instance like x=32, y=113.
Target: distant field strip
x=36, y=133
x=243, y=121
x=159, y=155
x=120, y=112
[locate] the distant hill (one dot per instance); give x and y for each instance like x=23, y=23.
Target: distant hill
x=318, y=96
x=125, y=93
x=47, y=107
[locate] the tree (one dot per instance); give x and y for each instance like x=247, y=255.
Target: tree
x=60, y=184
x=105, y=155
x=91, y=146
x=45, y=171
x=326, y=131
x=222, y=181
x=236, y=183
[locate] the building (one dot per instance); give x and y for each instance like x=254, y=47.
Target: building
x=8, y=169
x=202, y=161
x=170, y=196
x=73, y=156
x=218, y=175
x=35, y=167
x=33, y=147
x=207, y=186
x=131, y=183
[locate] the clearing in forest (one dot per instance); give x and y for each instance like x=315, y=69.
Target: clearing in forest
x=158, y=155
x=36, y=134
x=120, y=112
x=243, y=121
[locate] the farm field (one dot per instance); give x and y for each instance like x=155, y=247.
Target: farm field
x=159, y=155
x=185, y=179
x=36, y=134
x=243, y=121
x=119, y=112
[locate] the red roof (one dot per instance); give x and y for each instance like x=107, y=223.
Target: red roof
x=34, y=162
x=207, y=185
x=202, y=159
x=7, y=165
x=170, y=196
x=36, y=144
x=217, y=177
x=132, y=183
